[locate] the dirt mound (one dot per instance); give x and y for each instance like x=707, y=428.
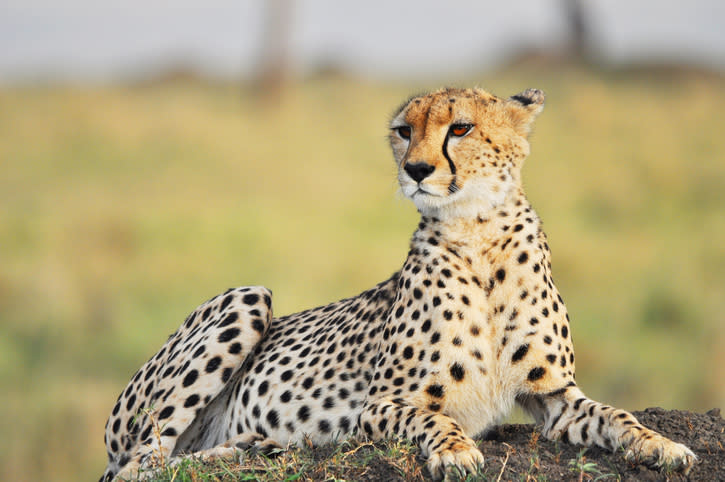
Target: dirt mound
x=521, y=452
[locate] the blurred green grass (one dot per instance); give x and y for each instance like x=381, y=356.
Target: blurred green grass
x=124, y=207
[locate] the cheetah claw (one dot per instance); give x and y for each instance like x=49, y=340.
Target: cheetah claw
x=444, y=462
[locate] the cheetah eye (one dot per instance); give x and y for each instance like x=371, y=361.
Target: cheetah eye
x=460, y=130
x=403, y=131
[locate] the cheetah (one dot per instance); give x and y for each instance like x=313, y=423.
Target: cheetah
x=438, y=353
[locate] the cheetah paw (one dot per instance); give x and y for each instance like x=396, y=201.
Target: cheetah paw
x=661, y=453
x=232, y=448
x=463, y=457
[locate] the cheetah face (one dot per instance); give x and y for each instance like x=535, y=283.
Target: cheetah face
x=459, y=152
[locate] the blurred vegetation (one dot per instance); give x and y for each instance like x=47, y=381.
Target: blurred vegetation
x=124, y=207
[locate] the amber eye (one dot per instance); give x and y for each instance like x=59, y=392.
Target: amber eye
x=403, y=131
x=460, y=130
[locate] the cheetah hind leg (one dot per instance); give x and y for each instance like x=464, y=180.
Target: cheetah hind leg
x=232, y=449
x=192, y=368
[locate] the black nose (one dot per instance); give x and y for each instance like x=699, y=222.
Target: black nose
x=419, y=170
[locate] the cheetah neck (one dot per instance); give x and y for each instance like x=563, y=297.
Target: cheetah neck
x=470, y=236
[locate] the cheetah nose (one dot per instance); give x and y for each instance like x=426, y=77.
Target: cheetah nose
x=419, y=170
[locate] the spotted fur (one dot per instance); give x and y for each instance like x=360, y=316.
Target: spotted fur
x=440, y=352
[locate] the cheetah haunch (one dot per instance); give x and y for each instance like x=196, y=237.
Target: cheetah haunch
x=436, y=354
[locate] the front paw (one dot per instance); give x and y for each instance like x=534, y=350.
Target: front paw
x=461, y=455
x=661, y=453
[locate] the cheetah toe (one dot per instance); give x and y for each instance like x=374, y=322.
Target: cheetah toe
x=661, y=453
x=462, y=456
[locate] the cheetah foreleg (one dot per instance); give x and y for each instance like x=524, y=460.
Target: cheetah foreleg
x=574, y=418
x=438, y=436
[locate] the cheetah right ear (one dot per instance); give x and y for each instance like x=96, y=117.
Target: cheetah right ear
x=523, y=109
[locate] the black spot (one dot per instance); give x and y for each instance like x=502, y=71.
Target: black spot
x=399, y=312
x=523, y=257
x=328, y=403
x=303, y=414
x=191, y=377
x=258, y=325
x=146, y=432
x=191, y=401
x=417, y=293
x=500, y=274
x=434, y=407
x=435, y=390
x=262, y=389
x=408, y=352
x=536, y=374
x=199, y=351
x=227, y=299
x=286, y=396
x=169, y=432
x=229, y=334
x=457, y=371
x=235, y=348
x=250, y=299
x=447, y=315
x=213, y=364
x=229, y=319
x=435, y=356
x=520, y=353
x=165, y=413
x=286, y=375
x=324, y=426
x=226, y=374
x=273, y=418
x=435, y=338
x=382, y=425
x=307, y=383
x=425, y=326
x=551, y=358
x=344, y=424
x=564, y=331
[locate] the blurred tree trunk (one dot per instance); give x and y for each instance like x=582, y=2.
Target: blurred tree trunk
x=577, y=46
x=274, y=64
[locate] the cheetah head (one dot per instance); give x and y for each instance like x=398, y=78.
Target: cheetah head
x=460, y=151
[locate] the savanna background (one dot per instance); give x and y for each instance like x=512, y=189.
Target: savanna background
x=152, y=158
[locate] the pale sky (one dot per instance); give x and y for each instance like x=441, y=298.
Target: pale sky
x=88, y=39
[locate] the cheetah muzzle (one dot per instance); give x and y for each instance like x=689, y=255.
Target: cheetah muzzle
x=441, y=351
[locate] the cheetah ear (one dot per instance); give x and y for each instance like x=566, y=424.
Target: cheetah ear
x=523, y=109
